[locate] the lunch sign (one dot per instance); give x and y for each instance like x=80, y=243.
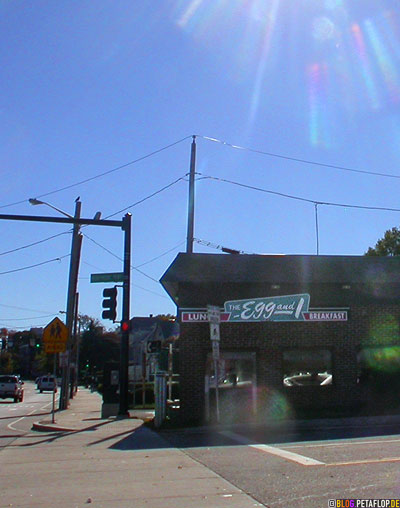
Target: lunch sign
x=288, y=308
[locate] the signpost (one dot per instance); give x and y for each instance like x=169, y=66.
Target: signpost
x=55, y=337
x=214, y=317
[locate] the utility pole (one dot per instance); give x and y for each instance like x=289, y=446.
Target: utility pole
x=190, y=225
x=124, y=360
x=77, y=221
x=71, y=296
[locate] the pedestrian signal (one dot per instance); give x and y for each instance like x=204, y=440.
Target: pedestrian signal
x=110, y=303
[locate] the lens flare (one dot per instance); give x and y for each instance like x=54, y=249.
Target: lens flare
x=384, y=330
x=318, y=91
x=384, y=61
x=323, y=29
x=366, y=67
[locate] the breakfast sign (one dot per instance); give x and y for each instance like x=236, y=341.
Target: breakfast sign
x=287, y=308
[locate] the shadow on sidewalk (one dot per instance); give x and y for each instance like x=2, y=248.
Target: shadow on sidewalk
x=145, y=438
x=54, y=436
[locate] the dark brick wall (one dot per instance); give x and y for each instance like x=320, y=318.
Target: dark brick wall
x=369, y=324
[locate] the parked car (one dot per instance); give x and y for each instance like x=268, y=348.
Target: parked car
x=47, y=383
x=11, y=386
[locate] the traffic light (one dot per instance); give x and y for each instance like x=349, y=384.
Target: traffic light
x=125, y=326
x=110, y=303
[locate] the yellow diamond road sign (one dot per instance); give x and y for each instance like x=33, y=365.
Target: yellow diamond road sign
x=55, y=332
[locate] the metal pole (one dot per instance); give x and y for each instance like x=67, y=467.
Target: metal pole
x=190, y=225
x=72, y=286
x=74, y=382
x=124, y=361
x=216, y=373
x=54, y=389
x=78, y=348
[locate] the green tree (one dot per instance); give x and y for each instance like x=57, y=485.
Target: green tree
x=6, y=363
x=389, y=245
x=97, y=347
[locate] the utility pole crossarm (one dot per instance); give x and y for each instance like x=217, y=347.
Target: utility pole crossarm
x=64, y=220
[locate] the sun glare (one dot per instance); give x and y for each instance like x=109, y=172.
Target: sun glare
x=349, y=55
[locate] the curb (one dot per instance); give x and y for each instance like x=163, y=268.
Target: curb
x=41, y=427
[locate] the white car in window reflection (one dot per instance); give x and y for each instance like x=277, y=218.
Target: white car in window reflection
x=308, y=379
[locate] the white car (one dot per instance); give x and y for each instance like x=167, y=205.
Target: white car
x=47, y=383
x=11, y=387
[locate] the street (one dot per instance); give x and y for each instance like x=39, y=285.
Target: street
x=121, y=462
x=16, y=418
x=301, y=468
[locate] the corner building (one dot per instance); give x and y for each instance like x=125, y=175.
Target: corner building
x=300, y=336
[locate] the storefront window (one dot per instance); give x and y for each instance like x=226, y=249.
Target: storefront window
x=307, y=367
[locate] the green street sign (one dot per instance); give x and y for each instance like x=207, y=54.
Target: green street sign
x=107, y=277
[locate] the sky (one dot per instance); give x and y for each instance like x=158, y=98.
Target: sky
x=295, y=105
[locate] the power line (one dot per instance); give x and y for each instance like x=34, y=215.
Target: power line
x=149, y=196
x=12, y=327
x=26, y=318
x=34, y=266
x=298, y=198
x=296, y=159
x=119, y=258
x=102, y=174
x=23, y=308
x=32, y=244
x=161, y=255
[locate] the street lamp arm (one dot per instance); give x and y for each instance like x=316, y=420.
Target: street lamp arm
x=34, y=201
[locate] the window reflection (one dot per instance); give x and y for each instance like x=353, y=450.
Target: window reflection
x=307, y=367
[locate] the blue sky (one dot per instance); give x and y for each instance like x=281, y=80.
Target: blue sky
x=88, y=86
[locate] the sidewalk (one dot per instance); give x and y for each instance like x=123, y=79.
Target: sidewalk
x=84, y=459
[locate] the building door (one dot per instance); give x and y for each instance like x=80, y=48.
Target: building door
x=236, y=387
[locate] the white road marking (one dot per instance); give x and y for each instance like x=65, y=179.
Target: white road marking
x=345, y=443
x=294, y=457
x=10, y=425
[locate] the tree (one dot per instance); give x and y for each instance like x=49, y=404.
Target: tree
x=6, y=363
x=389, y=245
x=97, y=347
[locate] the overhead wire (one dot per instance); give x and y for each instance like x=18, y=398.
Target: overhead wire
x=148, y=197
x=35, y=265
x=24, y=319
x=298, y=198
x=34, y=243
x=297, y=159
x=23, y=308
x=102, y=246
x=86, y=180
x=161, y=255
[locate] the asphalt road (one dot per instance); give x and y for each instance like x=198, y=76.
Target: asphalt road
x=16, y=418
x=300, y=468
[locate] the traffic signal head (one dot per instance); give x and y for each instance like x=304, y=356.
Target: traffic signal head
x=110, y=303
x=125, y=326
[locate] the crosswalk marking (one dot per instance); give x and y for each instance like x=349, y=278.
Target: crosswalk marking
x=285, y=454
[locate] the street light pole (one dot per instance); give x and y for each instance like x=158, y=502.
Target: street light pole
x=71, y=295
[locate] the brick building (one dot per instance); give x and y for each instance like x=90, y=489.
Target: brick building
x=297, y=333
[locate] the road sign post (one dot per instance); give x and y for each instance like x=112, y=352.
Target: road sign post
x=214, y=317
x=55, y=337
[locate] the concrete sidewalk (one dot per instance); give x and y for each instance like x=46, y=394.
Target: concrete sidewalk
x=84, y=459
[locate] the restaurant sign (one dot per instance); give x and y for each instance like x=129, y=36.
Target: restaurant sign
x=287, y=308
